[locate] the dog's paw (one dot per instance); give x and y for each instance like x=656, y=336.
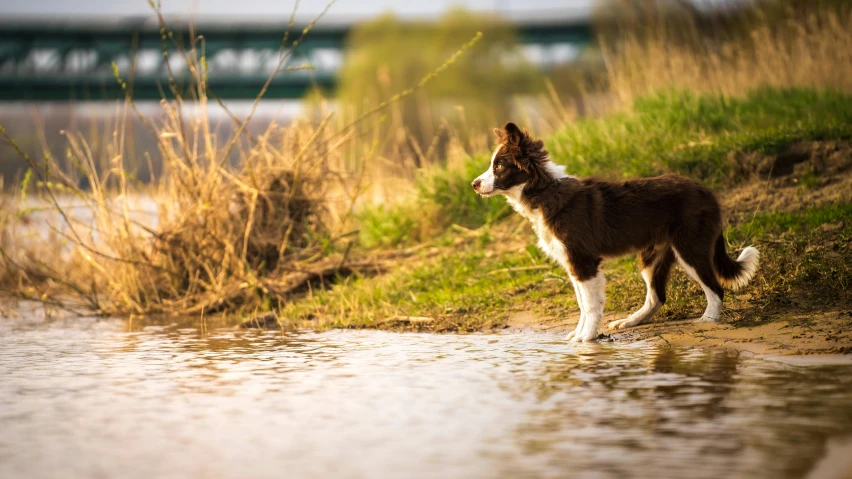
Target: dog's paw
x=706, y=319
x=584, y=337
x=620, y=324
x=571, y=335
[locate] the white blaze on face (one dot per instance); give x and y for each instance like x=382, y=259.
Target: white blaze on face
x=486, y=186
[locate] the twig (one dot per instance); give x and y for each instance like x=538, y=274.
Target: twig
x=520, y=268
x=282, y=59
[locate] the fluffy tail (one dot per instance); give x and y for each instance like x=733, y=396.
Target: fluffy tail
x=735, y=274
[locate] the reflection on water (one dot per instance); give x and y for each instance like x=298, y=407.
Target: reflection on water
x=86, y=398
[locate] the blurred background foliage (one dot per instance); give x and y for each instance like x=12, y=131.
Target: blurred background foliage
x=641, y=46
x=654, y=45
x=387, y=55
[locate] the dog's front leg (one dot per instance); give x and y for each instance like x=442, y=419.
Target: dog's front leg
x=593, y=290
x=578, y=292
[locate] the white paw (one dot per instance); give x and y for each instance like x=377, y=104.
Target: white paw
x=620, y=324
x=584, y=337
x=571, y=335
x=706, y=319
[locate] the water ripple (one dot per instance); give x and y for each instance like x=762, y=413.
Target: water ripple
x=88, y=398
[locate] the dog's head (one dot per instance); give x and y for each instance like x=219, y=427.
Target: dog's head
x=518, y=161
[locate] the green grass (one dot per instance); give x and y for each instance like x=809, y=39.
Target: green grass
x=806, y=261
x=710, y=138
x=697, y=135
x=465, y=288
x=444, y=197
x=783, y=222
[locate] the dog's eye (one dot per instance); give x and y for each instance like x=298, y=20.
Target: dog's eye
x=498, y=167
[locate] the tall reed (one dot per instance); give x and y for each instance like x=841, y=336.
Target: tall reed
x=770, y=46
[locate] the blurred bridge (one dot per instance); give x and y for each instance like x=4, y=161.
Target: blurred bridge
x=61, y=61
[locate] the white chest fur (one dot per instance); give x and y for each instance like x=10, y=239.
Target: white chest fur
x=547, y=241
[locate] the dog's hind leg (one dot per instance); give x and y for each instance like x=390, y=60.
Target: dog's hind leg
x=696, y=261
x=656, y=264
x=581, y=322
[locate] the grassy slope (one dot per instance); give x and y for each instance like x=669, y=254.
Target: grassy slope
x=695, y=135
x=474, y=280
x=698, y=136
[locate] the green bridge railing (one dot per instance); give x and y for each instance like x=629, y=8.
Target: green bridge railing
x=60, y=62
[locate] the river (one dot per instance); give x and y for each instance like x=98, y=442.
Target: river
x=165, y=398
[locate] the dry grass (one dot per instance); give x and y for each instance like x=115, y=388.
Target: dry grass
x=223, y=236
x=810, y=52
x=243, y=221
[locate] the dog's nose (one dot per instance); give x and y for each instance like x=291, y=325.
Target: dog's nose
x=476, y=183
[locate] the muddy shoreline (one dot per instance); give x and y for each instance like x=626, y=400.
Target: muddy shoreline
x=804, y=334
x=813, y=334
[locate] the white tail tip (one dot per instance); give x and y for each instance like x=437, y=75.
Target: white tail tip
x=749, y=259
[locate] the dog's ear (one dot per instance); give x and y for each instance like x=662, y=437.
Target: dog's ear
x=513, y=133
x=515, y=139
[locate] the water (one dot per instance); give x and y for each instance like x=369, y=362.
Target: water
x=88, y=398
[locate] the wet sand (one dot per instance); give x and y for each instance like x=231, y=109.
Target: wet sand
x=822, y=333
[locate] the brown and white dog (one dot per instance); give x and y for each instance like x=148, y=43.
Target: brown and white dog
x=579, y=222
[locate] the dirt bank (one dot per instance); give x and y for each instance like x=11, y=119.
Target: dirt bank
x=819, y=333
x=806, y=175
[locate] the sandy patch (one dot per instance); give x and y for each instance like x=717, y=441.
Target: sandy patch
x=820, y=333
